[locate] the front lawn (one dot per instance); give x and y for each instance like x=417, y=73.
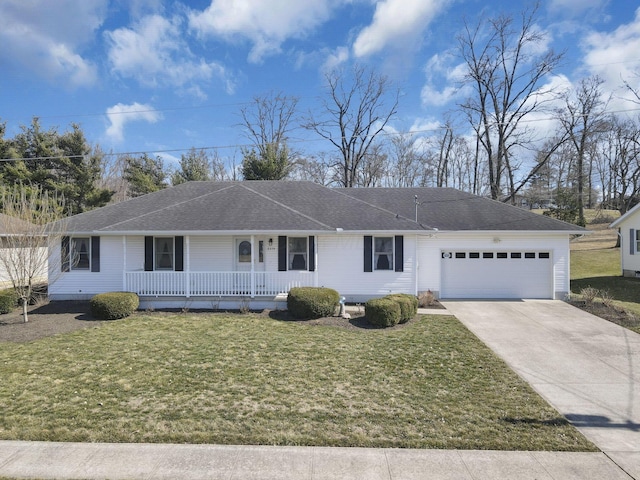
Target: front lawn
x=251, y=379
x=595, y=264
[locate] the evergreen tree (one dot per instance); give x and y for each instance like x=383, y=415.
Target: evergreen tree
x=62, y=163
x=272, y=164
x=194, y=166
x=144, y=175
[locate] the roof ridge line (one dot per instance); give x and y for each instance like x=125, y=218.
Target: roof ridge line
x=168, y=206
x=266, y=197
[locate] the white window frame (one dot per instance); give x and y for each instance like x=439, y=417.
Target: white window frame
x=390, y=254
x=637, y=242
x=74, y=255
x=291, y=253
x=156, y=254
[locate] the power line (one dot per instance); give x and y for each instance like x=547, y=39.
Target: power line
x=294, y=141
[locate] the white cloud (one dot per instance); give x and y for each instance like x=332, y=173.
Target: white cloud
x=154, y=53
x=614, y=57
x=267, y=25
x=49, y=40
x=443, y=80
x=120, y=114
x=394, y=22
x=575, y=7
x=336, y=58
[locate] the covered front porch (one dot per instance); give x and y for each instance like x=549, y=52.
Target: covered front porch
x=216, y=284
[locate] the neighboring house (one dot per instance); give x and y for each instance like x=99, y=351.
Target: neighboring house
x=628, y=226
x=18, y=259
x=202, y=243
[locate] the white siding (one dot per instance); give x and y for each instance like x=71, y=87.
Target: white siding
x=211, y=254
x=84, y=284
x=430, y=250
x=341, y=267
x=15, y=256
x=135, y=253
x=630, y=262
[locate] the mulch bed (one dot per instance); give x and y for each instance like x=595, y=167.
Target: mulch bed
x=67, y=316
x=611, y=313
x=46, y=320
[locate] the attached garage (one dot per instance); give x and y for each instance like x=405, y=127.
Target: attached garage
x=496, y=274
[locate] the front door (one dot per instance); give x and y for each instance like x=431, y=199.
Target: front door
x=243, y=260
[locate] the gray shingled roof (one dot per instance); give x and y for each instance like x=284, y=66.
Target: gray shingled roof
x=276, y=206
x=452, y=210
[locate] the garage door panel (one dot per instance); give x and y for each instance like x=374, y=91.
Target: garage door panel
x=491, y=275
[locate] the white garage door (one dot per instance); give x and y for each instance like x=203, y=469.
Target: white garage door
x=496, y=274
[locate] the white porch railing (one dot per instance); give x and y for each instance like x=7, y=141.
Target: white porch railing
x=215, y=284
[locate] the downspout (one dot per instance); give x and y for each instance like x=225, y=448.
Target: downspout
x=621, y=251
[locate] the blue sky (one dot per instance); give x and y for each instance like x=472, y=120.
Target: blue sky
x=162, y=77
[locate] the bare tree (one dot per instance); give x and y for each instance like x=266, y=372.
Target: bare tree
x=27, y=230
x=582, y=119
x=618, y=164
x=407, y=162
x=505, y=72
x=356, y=110
x=267, y=122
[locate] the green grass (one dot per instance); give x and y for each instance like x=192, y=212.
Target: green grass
x=595, y=263
x=250, y=379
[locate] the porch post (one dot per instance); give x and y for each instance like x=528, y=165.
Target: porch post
x=315, y=262
x=187, y=267
x=417, y=266
x=124, y=264
x=253, y=268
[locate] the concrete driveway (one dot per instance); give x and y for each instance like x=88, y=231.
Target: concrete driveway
x=586, y=367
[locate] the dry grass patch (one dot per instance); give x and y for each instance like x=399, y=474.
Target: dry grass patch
x=248, y=379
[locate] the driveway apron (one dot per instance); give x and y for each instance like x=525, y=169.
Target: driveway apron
x=586, y=367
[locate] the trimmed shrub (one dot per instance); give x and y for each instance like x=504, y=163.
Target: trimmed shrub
x=408, y=305
x=113, y=305
x=382, y=312
x=8, y=300
x=312, y=302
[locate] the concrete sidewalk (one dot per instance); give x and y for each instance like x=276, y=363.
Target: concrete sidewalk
x=49, y=460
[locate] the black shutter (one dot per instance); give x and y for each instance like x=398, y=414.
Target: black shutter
x=282, y=253
x=179, y=248
x=632, y=241
x=148, y=254
x=312, y=254
x=64, y=254
x=95, y=254
x=368, y=253
x=399, y=253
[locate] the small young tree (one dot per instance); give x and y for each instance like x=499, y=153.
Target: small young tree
x=26, y=228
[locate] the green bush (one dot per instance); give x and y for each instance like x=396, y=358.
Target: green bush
x=408, y=305
x=113, y=305
x=382, y=312
x=312, y=302
x=8, y=300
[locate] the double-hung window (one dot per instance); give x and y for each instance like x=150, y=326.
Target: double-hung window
x=637, y=241
x=297, y=253
x=164, y=253
x=383, y=253
x=80, y=254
